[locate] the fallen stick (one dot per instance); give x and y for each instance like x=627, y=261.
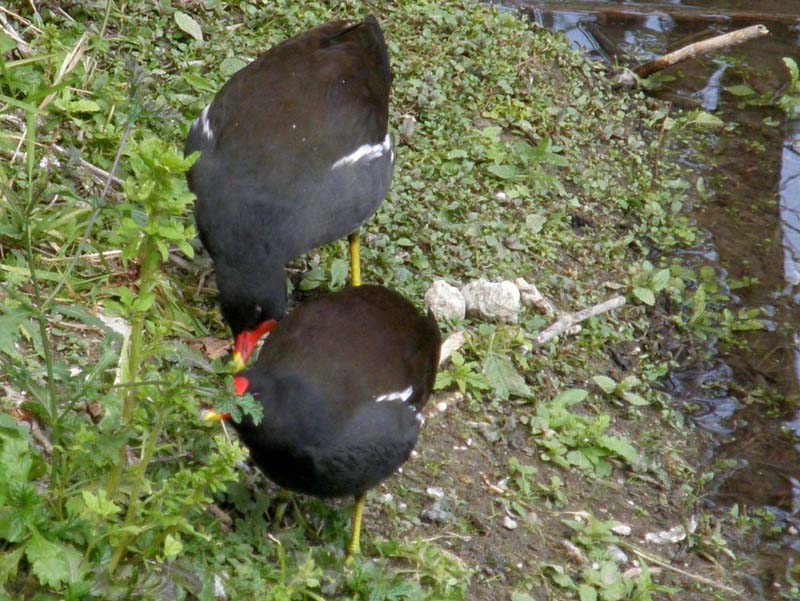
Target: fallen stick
x=568, y=320
x=667, y=566
x=719, y=42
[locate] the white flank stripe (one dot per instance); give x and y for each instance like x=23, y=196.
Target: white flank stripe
x=365, y=152
x=402, y=395
x=205, y=123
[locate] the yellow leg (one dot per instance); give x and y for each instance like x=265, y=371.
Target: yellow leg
x=355, y=259
x=354, y=547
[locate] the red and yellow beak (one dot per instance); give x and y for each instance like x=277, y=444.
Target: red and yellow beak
x=210, y=416
x=245, y=343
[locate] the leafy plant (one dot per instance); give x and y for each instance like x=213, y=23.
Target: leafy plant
x=570, y=439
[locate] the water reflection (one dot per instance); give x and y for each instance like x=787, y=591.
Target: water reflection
x=790, y=204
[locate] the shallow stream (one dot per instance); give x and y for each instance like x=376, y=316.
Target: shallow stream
x=747, y=398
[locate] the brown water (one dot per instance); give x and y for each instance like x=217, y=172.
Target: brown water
x=748, y=398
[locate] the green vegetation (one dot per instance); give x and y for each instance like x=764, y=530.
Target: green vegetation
x=515, y=159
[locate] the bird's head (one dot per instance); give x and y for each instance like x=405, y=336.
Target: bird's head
x=251, y=307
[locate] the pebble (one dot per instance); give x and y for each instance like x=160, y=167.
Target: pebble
x=673, y=535
x=445, y=301
x=435, y=492
x=492, y=300
x=618, y=555
x=509, y=523
x=621, y=530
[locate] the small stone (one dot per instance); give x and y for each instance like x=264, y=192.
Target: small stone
x=441, y=406
x=621, y=530
x=617, y=555
x=435, y=492
x=531, y=297
x=407, y=127
x=436, y=514
x=673, y=535
x=509, y=523
x=445, y=301
x=492, y=300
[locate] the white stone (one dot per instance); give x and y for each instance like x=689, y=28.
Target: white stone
x=492, y=300
x=445, y=301
x=621, y=530
x=435, y=492
x=673, y=535
x=531, y=297
x=509, y=523
x=617, y=555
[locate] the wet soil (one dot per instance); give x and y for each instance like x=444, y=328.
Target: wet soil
x=744, y=395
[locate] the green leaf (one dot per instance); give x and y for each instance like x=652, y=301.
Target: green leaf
x=7, y=43
x=503, y=171
x=635, y=399
x=339, y=269
x=314, y=278
x=578, y=459
x=231, y=65
x=84, y=106
x=619, y=447
x=48, y=560
x=794, y=72
x=660, y=280
x=9, y=331
x=605, y=383
x=741, y=90
x=587, y=593
x=503, y=377
x=570, y=397
x=645, y=295
x=188, y=25
x=172, y=547
x=99, y=504
x=707, y=119
x=8, y=564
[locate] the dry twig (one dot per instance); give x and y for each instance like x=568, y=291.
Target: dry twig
x=719, y=42
x=664, y=564
x=568, y=320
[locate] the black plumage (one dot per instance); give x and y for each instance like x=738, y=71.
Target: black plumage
x=295, y=153
x=341, y=381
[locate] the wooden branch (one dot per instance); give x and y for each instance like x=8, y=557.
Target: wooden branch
x=719, y=42
x=568, y=320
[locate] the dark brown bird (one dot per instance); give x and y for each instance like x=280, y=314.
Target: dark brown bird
x=342, y=381
x=294, y=154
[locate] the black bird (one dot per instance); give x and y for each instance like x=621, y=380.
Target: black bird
x=342, y=381
x=294, y=154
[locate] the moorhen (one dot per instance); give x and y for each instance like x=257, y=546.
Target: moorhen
x=341, y=381
x=294, y=154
